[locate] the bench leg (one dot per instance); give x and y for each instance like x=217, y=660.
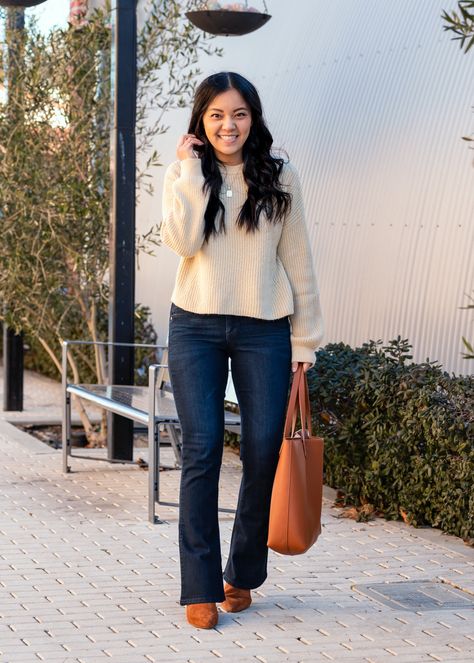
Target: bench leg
x=153, y=451
x=66, y=410
x=151, y=469
x=66, y=432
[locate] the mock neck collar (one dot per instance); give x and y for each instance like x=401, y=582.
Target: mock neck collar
x=231, y=170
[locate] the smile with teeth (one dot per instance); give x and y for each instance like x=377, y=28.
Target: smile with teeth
x=228, y=139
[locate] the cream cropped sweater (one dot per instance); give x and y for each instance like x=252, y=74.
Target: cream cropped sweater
x=267, y=274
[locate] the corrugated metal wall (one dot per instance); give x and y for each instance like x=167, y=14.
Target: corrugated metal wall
x=370, y=98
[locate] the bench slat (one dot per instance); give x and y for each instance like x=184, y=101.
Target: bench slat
x=132, y=402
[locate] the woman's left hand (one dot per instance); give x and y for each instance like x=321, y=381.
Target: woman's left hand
x=294, y=366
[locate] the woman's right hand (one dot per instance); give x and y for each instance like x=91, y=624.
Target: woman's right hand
x=185, y=148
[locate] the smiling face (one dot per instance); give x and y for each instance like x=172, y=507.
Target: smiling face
x=227, y=121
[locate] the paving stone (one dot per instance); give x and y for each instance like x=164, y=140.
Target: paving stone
x=84, y=577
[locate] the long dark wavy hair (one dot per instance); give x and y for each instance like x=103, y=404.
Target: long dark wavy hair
x=261, y=169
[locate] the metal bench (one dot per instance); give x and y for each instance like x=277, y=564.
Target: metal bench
x=152, y=406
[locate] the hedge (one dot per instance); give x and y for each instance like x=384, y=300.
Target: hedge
x=399, y=435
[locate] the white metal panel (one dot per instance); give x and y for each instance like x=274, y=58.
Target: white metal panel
x=370, y=99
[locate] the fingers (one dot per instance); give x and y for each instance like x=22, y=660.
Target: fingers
x=185, y=147
x=294, y=366
x=189, y=139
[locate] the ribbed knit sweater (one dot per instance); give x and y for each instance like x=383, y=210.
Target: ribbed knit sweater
x=265, y=274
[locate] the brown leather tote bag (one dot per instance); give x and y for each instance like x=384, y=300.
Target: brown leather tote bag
x=295, y=509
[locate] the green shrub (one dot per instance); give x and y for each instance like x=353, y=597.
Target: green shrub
x=398, y=435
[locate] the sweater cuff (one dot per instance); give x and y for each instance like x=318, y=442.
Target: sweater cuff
x=303, y=354
x=191, y=167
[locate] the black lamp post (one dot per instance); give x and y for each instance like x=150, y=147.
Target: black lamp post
x=122, y=220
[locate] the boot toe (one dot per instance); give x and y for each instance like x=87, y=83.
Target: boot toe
x=236, y=599
x=202, y=615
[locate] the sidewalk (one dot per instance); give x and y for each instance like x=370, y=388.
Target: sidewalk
x=84, y=577
x=42, y=402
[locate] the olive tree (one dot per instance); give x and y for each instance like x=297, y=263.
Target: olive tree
x=461, y=22
x=54, y=168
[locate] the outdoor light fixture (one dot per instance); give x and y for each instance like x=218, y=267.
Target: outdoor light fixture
x=20, y=3
x=229, y=18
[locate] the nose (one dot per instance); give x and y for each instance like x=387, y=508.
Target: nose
x=228, y=123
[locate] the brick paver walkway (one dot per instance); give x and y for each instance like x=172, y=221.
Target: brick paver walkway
x=84, y=577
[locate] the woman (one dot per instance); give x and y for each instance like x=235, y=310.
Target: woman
x=245, y=290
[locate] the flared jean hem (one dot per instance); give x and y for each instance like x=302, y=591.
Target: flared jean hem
x=240, y=585
x=202, y=599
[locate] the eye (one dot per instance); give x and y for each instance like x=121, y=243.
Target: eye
x=215, y=115
x=242, y=114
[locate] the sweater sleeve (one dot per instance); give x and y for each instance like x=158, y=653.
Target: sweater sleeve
x=294, y=251
x=184, y=205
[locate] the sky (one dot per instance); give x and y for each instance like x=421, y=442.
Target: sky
x=51, y=13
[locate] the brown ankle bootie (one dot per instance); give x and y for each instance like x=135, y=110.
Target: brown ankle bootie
x=236, y=599
x=202, y=615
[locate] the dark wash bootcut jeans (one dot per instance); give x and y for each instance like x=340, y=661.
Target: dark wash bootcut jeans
x=200, y=345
